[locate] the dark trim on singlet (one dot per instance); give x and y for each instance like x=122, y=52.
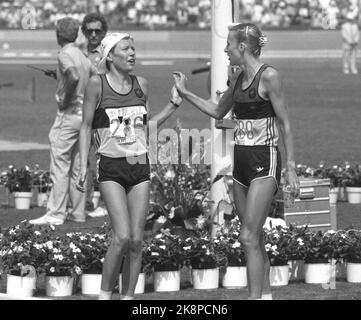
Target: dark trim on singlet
x=248, y=103
x=109, y=98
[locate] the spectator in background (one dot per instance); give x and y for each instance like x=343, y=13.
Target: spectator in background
x=94, y=27
x=74, y=71
x=350, y=35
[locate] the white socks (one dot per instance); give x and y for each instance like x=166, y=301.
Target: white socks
x=126, y=297
x=105, y=295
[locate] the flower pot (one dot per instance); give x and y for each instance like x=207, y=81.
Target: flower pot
x=23, y=200
x=139, y=287
x=95, y=198
x=296, y=270
x=20, y=286
x=42, y=199
x=333, y=194
x=279, y=275
x=90, y=283
x=317, y=272
x=235, y=277
x=205, y=278
x=59, y=286
x=166, y=281
x=353, y=272
x=353, y=194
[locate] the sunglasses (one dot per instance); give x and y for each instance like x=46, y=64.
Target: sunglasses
x=90, y=31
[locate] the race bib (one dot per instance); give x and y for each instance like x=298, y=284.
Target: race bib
x=124, y=122
x=244, y=133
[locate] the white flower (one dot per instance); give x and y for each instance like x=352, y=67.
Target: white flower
x=236, y=245
x=52, y=270
x=102, y=260
x=52, y=227
x=276, y=235
x=201, y=219
x=158, y=236
x=59, y=257
x=268, y=247
x=300, y=241
x=18, y=249
x=77, y=270
x=38, y=246
x=187, y=248
x=171, y=213
x=274, y=247
x=204, y=247
x=216, y=241
x=208, y=252
x=37, y=233
x=169, y=175
x=162, y=247
x=56, y=250
x=161, y=219
x=12, y=231
x=49, y=244
x=155, y=254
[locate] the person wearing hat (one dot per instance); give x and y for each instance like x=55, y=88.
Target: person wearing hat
x=74, y=72
x=116, y=106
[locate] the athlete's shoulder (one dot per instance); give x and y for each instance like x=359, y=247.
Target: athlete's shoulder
x=94, y=83
x=143, y=82
x=270, y=75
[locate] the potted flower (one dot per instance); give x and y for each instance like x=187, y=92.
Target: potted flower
x=227, y=236
x=296, y=251
x=350, y=251
x=352, y=182
x=19, y=183
x=319, y=252
x=335, y=175
x=43, y=183
x=22, y=255
x=93, y=247
x=60, y=266
x=164, y=255
x=276, y=242
x=178, y=190
x=204, y=258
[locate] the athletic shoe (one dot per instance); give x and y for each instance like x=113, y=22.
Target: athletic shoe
x=354, y=72
x=346, y=71
x=98, y=212
x=47, y=219
x=71, y=218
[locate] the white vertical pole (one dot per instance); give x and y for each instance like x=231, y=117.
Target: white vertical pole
x=222, y=150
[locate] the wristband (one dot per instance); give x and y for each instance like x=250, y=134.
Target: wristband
x=174, y=104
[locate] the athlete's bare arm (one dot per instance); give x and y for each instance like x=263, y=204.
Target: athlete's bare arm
x=167, y=111
x=272, y=85
x=91, y=98
x=214, y=110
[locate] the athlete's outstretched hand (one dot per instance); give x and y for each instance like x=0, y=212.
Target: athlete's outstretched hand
x=293, y=181
x=175, y=97
x=180, y=82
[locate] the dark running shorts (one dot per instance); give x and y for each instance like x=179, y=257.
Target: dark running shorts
x=127, y=172
x=256, y=162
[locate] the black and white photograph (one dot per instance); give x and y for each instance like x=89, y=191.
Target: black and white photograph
x=183, y=155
